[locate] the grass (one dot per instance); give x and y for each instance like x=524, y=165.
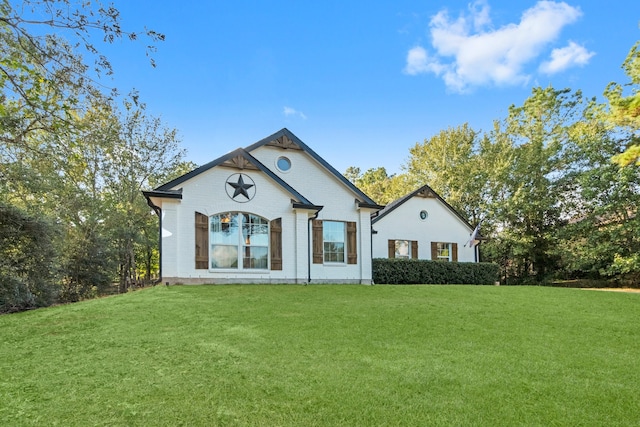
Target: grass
x=326, y=355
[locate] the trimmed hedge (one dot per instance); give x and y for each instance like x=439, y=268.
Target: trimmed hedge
x=413, y=271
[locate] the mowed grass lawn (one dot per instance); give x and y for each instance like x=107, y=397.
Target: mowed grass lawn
x=326, y=355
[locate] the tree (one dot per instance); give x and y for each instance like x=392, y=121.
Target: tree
x=43, y=77
x=378, y=184
x=27, y=260
x=624, y=111
x=529, y=213
x=61, y=136
x=144, y=149
x=600, y=199
x=450, y=162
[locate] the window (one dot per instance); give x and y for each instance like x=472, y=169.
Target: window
x=443, y=251
x=403, y=249
x=333, y=238
x=239, y=240
x=283, y=164
x=334, y=242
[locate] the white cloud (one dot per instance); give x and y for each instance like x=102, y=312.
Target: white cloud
x=288, y=111
x=566, y=57
x=470, y=53
x=418, y=61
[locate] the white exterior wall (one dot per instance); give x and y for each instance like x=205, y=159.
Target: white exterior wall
x=404, y=223
x=169, y=237
x=322, y=188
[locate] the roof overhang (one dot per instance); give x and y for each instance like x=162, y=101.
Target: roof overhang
x=164, y=194
x=365, y=205
x=306, y=206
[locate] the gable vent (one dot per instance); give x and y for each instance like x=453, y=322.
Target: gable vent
x=427, y=193
x=284, y=142
x=239, y=162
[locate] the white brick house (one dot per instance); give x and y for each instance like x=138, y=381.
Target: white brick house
x=276, y=212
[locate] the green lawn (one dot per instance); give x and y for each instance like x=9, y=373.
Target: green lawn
x=326, y=355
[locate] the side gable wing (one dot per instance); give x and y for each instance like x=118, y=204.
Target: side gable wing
x=424, y=191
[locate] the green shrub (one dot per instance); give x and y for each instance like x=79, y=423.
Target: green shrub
x=27, y=260
x=411, y=271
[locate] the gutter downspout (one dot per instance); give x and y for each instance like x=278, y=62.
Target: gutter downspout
x=309, y=232
x=371, y=237
x=158, y=211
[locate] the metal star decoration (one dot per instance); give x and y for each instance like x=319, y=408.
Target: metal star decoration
x=240, y=187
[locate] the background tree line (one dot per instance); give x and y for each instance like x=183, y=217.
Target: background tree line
x=74, y=157
x=555, y=184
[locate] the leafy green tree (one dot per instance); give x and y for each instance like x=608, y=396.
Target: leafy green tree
x=624, y=111
x=378, y=184
x=528, y=214
x=600, y=199
x=144, y=150
x=454, y=164
x=28, y=260
x=43, y=76
x=60, y=136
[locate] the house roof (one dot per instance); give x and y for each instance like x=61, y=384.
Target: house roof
x=285, y=139
x=424, y=191
x=239, y=159
x=167, y=194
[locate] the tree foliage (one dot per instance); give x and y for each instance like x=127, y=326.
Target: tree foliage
x=378, y=184
x=27, y=260
x=71, y=158
x=624, y=111
x=450, y=162
x=43, y=75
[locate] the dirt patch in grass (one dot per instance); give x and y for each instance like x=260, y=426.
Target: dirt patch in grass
x=632, y=290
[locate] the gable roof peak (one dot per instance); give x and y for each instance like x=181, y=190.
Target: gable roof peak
x=425, y=192
x=284, y=134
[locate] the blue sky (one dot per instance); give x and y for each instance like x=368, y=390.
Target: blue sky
x=361, y=82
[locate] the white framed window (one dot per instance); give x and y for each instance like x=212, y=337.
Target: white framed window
x=444, y=251
x=238, y=240
x=403, y=249
x=333, y=241
x=283, y=164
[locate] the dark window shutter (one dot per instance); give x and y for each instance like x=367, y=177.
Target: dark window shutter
x=317, y=241
x=434, y=251
x=454, y=252
x=352, y=243
x=414, y=249
x=276, y=244
x=202, y=241
x=392, y=248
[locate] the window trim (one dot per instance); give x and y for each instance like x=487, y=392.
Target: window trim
x=286, y=159
x=350, y=243
x=241, y=244
x=452, y=248
x=343, y=242
x=408, y=247
x=412, y=248
x=441, y=247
